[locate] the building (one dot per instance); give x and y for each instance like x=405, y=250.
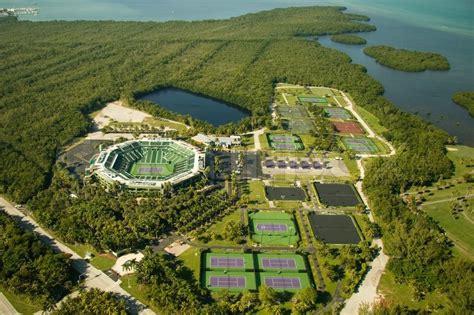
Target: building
x=148, y=163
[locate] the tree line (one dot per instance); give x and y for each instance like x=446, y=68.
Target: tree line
x=407, y=60
x=466, y=100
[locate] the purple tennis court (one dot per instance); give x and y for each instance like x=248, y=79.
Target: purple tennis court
x=272, y=227
x=227, y=282
x=283, y=283
x=227, y=262
x=278, y=263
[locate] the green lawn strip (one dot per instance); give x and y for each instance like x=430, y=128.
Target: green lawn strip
x=159, y=122
x=351, y=166
x=129, y=284
x=264, y=142
x=458, y=230
x=256, y=194
x=307, y=140
x=289, y=204
x=395, y=293
x=361, y=223
x=103, y=261
x=191, y=259
x=21, y=303
x=370, y=119
x=382, y=147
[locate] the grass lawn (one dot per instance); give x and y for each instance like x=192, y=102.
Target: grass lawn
x=370, y=119
x=288, y=204
x=218, y=228
x=458, y=230
x=402, y=294
x=129, y=284
x=256, y=194
x=100, y=261
x=362, y=223
x=158, y=122
x=21, y=303
x=191, y=259
x=264, y=142
x=445, y=191
x=351, y=166
x=383, y=148
x=103, y=261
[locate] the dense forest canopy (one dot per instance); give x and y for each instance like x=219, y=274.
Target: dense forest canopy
x=31, y=268
x=407, y=60
x=348, y=39
x=466, y=100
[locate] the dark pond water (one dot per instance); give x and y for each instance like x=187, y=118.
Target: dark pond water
x=183, y=102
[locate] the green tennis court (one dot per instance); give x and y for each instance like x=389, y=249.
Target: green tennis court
x=359, y=144
x=312, y=99
x=273, y=228
x=285, y=142
x=143, y=169
x=280, y=262
x=227, y=261
x=337, y=113
x=285, y=281
x=233, y=281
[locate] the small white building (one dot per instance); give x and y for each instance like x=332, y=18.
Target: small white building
x=225, y=142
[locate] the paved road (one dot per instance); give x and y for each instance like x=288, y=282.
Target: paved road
x=470, y=196
x=93, y=278
x=6, y=307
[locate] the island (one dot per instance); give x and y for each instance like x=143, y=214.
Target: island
x=407, y=60
x=348, y=39
x=466, y=100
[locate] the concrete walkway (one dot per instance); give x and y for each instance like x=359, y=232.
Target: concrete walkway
x=93, y=278
x=6, y=307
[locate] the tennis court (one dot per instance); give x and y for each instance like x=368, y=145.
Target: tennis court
x=285, y=142
x=272, y=262
x=290, y=282
x=273, y=228
x=139, y=169
x=334, y=229
x=337, y=113
x=285, y=193
x=312, y=99
x=337, y=195
x=347, y=127
x=296, y=111
x=234, y=281
x=228, y=261
x=359, y=144
x=298, y=125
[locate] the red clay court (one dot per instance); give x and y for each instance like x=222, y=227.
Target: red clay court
x=348, y=127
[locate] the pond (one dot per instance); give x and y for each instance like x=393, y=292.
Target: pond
x=197, y=106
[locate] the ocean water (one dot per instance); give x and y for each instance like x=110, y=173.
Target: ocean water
x=442, y=26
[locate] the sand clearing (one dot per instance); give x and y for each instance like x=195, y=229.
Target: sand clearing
x=116, y=111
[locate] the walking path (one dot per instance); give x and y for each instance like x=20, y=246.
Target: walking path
x=6, y=307
x=93, y=278
x=367, y=291
x=256, y=139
